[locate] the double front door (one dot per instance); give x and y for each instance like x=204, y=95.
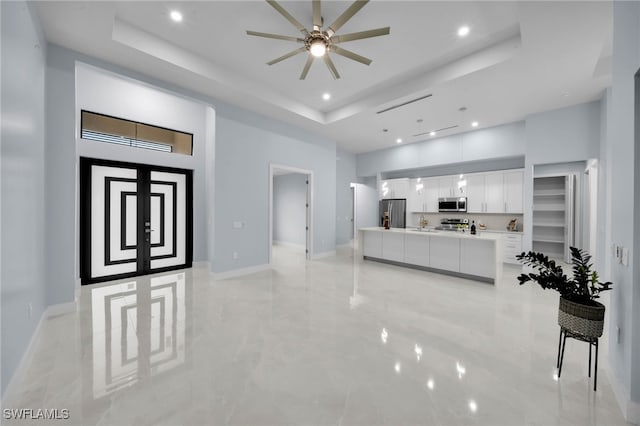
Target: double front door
x=134, y=219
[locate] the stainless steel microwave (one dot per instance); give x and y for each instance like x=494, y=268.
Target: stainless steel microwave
x=454, y=204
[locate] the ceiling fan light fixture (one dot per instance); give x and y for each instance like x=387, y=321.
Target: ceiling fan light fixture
x=176, y=16
x=318, y=48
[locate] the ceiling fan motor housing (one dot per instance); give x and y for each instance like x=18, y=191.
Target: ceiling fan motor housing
x=316, y=37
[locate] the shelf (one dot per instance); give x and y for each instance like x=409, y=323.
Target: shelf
x=548, y=192
x=537, y=240
x=549, y=208
x=549, y=225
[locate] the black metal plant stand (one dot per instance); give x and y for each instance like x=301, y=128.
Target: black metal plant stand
x=592, y=341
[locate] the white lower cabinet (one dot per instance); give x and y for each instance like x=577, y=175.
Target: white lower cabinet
x=478, y=257
x=444, y=253
x=512, y=247
x=372, y=246
x=393, y=246
x=416, y=250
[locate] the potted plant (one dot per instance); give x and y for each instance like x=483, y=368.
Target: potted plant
x=578, y=311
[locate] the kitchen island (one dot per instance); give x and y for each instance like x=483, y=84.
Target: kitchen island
x=477, y=257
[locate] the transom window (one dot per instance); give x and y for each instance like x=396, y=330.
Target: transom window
x=105, y=128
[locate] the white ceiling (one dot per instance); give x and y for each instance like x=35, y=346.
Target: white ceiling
x=520, y=58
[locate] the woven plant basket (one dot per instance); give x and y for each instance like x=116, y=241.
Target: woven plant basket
x=581, y=319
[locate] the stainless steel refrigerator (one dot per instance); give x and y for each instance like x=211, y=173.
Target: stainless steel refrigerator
x=397, y=208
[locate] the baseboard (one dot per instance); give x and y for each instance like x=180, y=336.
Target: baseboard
x=50, y=311
x=240, y=272
x=322, y=255
x=350, y=244
x=633, y=413
x=60, y=309
x=630, y=409
x=290, y=245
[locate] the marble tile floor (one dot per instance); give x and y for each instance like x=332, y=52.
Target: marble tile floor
x=335, y=341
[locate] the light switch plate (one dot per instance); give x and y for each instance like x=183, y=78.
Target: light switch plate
x=238, y=224
x=624, y=258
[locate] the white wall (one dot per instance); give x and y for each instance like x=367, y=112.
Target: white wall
x=107, y=93
x=485, y=144
x=243, y=155
x=560, y=136
x=345, y=176
x=623, y=181
x=23, y=275
x=289, y=209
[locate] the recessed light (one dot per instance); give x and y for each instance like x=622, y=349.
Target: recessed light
x=326, y=96
x=474, y=124
x=432, y=133
x=176, y=16
x=399, y=140
x=463, y=31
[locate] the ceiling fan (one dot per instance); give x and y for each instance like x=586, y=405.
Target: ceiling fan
x=319, y=42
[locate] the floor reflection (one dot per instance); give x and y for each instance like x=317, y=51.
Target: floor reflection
x=138, y=330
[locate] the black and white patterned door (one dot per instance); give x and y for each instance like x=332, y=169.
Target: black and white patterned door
x=134, y=219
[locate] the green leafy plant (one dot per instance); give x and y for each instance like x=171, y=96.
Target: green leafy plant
x=583, y=287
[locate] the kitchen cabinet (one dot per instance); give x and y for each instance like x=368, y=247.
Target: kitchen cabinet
x=416, y=250
x=451, y=186
x=475, y=256
x=511, y=243
x=475, y=193
x=372, y=246
x=512, y=248
x=393, y=246
x=478, y=257
x=495, y=192
x=445, y=253
x=394, y=188
x=513, y=190
x=423, y=195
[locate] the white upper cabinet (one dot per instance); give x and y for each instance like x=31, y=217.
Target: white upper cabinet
x=513, y=190
x=494, y=192
x=431, y=191
x=452, y=186
x=475, y=193
x=395, y=188
x=490, y=192
x=423, y=195
x=415, y=198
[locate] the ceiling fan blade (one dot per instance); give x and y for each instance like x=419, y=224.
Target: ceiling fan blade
x=349, y=54
x=307, y=65
x=276, y=36
x=287, y=55
x=332, y=68
x=288, y=16
x=346, y=15
x=317, y=16
x=360, y=35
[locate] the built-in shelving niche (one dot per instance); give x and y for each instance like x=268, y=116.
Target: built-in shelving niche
x=552, y=213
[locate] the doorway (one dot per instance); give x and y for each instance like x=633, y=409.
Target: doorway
x=135, y=219
x=290, y=209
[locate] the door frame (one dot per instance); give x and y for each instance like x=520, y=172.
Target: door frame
x=85, y=218
x=309, y=234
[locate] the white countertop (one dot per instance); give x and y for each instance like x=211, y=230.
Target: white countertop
x=481, y=235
